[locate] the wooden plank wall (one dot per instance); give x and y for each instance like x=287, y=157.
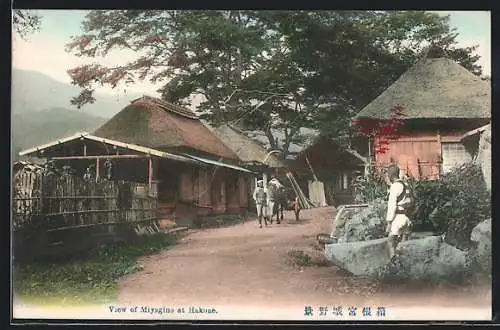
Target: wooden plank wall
x=417, y=156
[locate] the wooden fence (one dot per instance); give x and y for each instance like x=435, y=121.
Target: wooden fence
x=45, y=203
x=70, y=201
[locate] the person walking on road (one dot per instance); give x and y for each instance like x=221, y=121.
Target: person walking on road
x=260, y=198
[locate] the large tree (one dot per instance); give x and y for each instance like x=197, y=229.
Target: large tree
x=25, y=22
x=268, y=70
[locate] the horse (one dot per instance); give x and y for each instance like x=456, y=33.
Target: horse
x=278, y=200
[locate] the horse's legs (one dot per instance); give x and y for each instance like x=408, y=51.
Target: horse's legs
x=266, y=215
x=271, y=208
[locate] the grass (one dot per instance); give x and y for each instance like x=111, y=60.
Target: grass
x=90, y=279
x=218, y=221
x=301, y=259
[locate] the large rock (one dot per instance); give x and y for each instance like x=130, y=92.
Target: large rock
x=481, y=255
x=365, y=258
x=429, y=259
x=481, y=232
x=362, y=224
x=484, y=155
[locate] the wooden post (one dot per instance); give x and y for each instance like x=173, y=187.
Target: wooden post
x=96, y=169
x=369, y=155
x=150, y=172
x=439, y=154
x=312, y=171
x=85, y=149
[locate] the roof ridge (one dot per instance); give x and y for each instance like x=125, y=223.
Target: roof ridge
x=167, y=106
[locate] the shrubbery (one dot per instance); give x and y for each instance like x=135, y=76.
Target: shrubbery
x=451, y=205
x=370, y=187
x=454, y=204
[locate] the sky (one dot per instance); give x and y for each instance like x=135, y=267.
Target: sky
x=45, y=50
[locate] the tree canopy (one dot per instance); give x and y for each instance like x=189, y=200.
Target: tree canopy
x=25, y=22
x=266, y=70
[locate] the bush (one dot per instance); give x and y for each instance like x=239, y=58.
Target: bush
x=369, y=188
x=451, y=205
x=454, y=204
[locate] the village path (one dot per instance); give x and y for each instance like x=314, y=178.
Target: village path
x=243, y=265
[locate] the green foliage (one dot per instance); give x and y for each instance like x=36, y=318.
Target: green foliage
x=267, y=69
x=454, y=204
x=369, y=188
x=91, y=280
x=25, y=22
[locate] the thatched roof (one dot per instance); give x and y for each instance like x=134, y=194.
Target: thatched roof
x=325, y=142
x=434, y=88
x=247, y=149
x=476, y=132
x=157, y=124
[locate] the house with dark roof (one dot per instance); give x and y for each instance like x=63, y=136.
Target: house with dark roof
x=440, y=100
x=333, y=165
x=320, y=159
x=168, y=146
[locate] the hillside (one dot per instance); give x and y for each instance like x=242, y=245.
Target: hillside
x=35, y=91
x=35, y=128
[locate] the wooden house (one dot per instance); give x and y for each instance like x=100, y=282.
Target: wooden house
x=167, y=146
x=252, y=154
x=440, y=100
x=333, y=165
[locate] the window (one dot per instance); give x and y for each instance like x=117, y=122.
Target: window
x=453, y=154
x=343, y=181
x=222, y=192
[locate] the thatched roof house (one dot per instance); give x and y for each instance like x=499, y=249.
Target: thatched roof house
x=440, y=100
x=250, y=151
x=157, y=124
x=434, y=88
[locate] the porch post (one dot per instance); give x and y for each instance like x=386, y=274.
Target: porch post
x=439, y=164
x=369, y=155
x=96, y=169
x=150, y=171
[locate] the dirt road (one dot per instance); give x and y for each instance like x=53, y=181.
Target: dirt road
x=243, y=265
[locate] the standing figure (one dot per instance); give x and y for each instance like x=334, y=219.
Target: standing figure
x=276, y=199
x=398, y=222
x=260, y=198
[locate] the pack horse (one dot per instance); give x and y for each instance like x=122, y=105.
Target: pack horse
x=278, y=201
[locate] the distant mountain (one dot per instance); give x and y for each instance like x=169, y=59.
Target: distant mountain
x=30, y=129
x=35, y=91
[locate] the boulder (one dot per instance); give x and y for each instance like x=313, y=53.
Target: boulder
x=481, y=232
x=364, y=258
x=428, y=259
x=362, y=224
x=484, y=155
x=481, y=254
